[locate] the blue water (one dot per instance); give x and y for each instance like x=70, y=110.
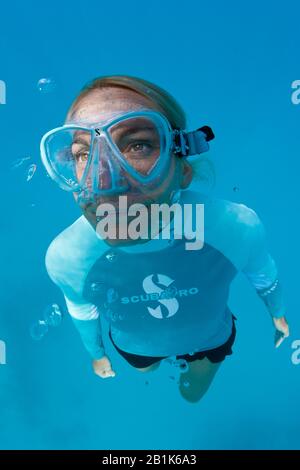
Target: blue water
x=230, y=65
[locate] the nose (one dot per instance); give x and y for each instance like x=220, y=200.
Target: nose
x=104, y=175
x=107, y=173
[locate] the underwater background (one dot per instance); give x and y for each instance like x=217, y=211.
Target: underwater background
x=231, y=65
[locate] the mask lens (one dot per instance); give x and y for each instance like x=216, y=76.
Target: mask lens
x=104, y=173
x=139, y=143
x=131, y=150
x=67, y=153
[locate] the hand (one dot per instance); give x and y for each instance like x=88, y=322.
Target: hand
x=282, y=330
x=102, y=367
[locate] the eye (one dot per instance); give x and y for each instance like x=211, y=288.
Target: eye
x=140, y=146
x=81, y=156
x=139, y=149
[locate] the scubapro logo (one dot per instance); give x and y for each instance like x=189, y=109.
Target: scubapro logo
x=150, y=287
x=160, y=287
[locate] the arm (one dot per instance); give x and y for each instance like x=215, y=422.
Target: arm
x=261, y=271
x=85, y=315
x=86, y=319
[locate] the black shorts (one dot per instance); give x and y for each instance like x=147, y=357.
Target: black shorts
x=214, y=355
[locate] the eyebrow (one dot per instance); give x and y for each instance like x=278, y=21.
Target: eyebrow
x=80, y=140
x=123, y=130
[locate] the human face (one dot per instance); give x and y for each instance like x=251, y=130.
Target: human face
x=100, y=105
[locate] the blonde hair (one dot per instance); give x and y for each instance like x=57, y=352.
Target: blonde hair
x=170, y=107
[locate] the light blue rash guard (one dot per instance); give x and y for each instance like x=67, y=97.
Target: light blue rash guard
x=159, y=298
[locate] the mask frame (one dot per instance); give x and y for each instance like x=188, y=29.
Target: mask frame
x=177, y=141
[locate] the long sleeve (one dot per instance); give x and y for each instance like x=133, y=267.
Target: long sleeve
x=261, y=270
x=85, y=315
x=86, y=319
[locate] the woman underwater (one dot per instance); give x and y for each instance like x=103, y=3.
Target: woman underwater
x=125, y=137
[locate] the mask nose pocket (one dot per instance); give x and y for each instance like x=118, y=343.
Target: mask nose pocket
x=105, y=174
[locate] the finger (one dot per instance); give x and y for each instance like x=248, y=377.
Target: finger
x=281, y=333
x=278, y=338
x=279, y=341
x=285, y=331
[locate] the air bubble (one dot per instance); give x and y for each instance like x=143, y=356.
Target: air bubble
x=46, y=85
x=53, y=315
x=19, y=162
x=31, y=171
x=111, y=257
x=114, y=316
x=181, y=364
x=38, y=330
x=98, y=287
